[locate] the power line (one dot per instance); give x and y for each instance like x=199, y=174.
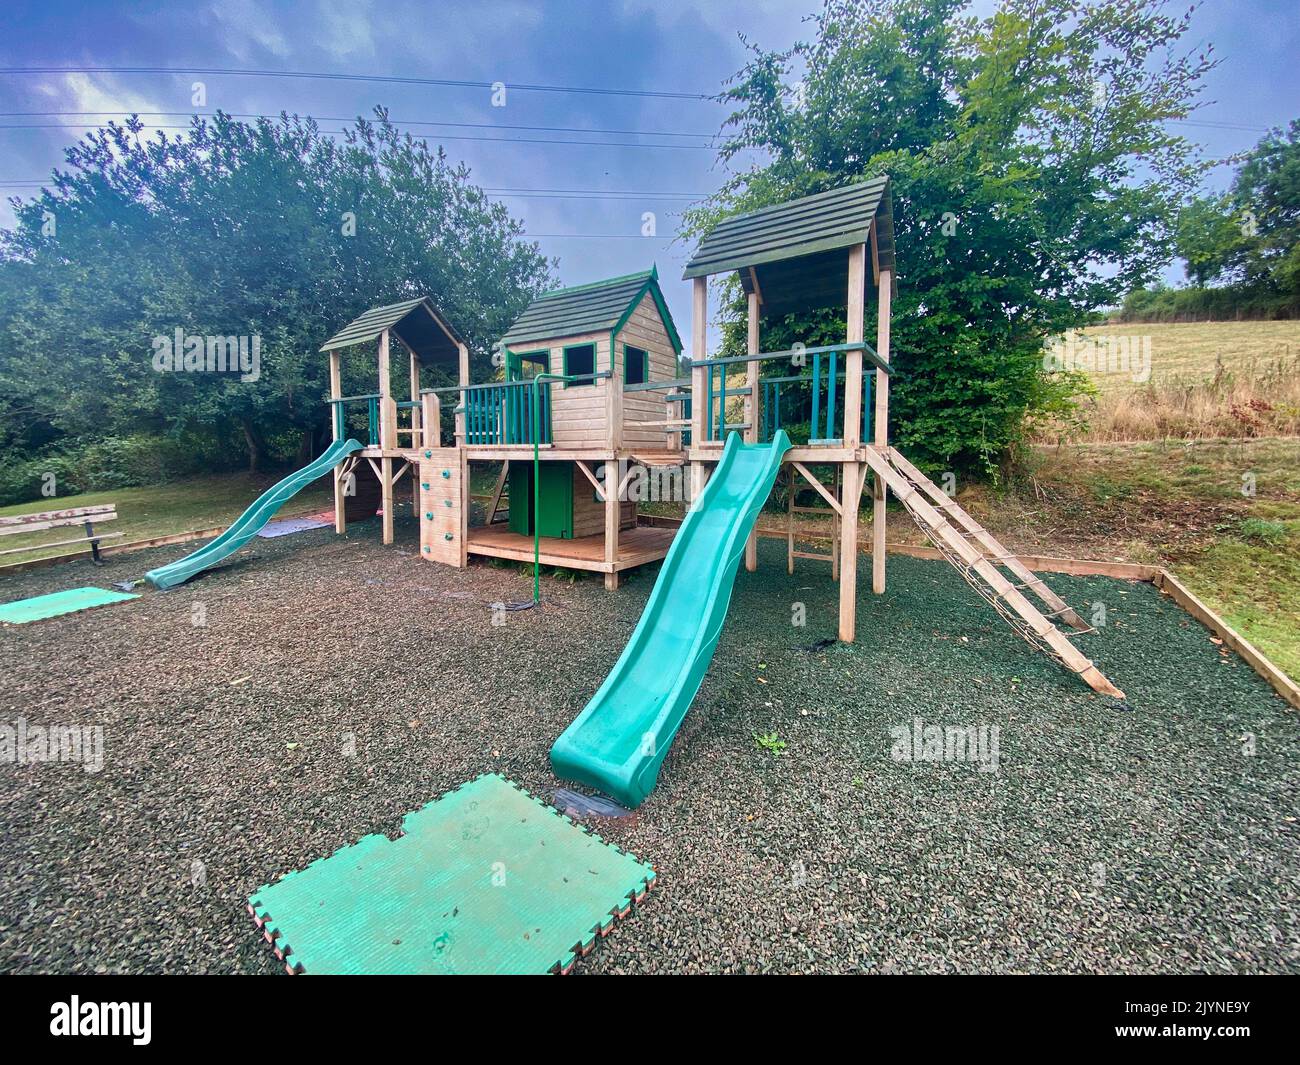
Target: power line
x=344, y=118
x=436, y=138
x=383, y=78
x=504, y=193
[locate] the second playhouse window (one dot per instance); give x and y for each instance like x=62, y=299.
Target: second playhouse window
x=636, y=366
x=579, y=361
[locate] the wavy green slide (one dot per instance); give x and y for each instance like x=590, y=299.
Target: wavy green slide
x=621, y=738
x=247, y=524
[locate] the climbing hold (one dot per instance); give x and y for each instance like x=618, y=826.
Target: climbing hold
x=424, y=485
x=427, y=549
x=446, y=473
x=446, y=502
x=428, y=515
x=448, y=536
x=428, y=454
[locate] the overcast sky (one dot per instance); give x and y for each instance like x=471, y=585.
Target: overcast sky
x=663, y=46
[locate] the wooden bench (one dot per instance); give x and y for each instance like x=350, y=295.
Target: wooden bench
x=57, y=519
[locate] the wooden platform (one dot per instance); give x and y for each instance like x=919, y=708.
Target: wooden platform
x=636, y=547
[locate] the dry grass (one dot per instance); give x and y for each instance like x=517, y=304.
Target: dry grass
x=1189, y=381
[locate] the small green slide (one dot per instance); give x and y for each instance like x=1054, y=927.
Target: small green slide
x=247, y=524
x=620, y=739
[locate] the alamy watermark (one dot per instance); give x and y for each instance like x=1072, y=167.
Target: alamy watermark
x=180, y=353
x=24, y=744
x=973, y=744
x=1129, y=355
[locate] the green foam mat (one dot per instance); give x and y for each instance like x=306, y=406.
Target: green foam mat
x=22, y=611
x=484, y=880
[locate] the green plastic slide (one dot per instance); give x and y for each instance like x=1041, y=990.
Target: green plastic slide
x=620, y=739
x=247, y=524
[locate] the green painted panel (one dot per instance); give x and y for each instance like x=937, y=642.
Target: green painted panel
x=21, y=611
x=485, y=880
x=556, y=490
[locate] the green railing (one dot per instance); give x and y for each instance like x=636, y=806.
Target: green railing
x=371, y=401
x=502, y=413
x=786, y=404
x=826, y=395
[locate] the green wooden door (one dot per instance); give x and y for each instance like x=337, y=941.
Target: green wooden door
x=556, y=504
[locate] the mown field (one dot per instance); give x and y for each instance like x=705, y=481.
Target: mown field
x=1194, y=380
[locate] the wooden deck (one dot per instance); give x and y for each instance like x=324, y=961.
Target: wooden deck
x=636, y=547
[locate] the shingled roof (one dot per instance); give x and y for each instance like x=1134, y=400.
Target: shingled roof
x=417, y=322
x=796, y=249
x=595, y=308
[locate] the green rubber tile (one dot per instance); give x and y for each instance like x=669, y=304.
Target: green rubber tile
x=485, y=879
x=21, y=611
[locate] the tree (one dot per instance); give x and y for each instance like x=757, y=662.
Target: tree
x=1208, y=237
x=1034, y=178
x=1266, y=191
x=269, y=229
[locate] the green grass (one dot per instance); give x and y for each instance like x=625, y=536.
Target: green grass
x=161, y=510
x=1254, y=586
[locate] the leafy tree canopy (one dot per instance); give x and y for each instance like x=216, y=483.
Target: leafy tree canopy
x=1035, y=180
x=271, y=229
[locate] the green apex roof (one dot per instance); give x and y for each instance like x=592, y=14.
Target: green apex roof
x=592, y=308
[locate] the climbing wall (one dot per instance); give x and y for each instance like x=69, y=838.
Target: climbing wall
x=444, y=476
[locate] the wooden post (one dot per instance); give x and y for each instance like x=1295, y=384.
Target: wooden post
x=881, y=434
x=386, y=495
x=852, y=472
x=613, y=399
x=464, y=380
x=336, y=415
x=387, y=432
x=856, y=315
x=431, y=422
x=850, y=496
x=752, y=413
x=699, y=379
x=612, y=511
x=416, y=435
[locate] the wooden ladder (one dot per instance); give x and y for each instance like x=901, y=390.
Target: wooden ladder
x=977, y=554
x=791, y=554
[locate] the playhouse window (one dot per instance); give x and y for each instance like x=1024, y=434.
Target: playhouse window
x=636, y=365
x=579, y=361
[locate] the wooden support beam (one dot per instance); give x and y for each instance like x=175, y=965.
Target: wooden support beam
x=751, y=404
x=336, y=416
x=586, y=472
x=855, y=313
x=613, y=398
x=699, y=380
x=821, y=488
x=386, y=496
x=850, y=491
x=432, y=421
x=878, y=517
x=414, y=364
x=463, y=374
x=612, y=514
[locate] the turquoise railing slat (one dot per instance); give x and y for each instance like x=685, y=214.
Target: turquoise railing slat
x=830, y=400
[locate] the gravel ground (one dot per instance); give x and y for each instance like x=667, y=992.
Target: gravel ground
x=339, y=684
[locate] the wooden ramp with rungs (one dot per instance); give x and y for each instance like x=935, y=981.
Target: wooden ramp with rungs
x=981, y=559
